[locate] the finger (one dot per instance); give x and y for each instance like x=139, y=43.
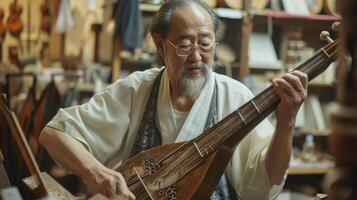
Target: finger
x=110, y=187
x=131, y=196
x=303, y=80
x=281, y=92
x=302, y=76
x=298, y=86
x=284, y=85
x=294, y=81
x=122, y=187
x=110, y=194
x=287, y=95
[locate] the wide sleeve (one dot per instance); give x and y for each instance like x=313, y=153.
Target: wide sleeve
x=101, y=124
x=247, y=172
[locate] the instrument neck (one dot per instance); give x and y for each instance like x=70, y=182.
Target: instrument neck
x=232, y=129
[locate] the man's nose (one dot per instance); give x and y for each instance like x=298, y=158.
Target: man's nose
x=195, y=54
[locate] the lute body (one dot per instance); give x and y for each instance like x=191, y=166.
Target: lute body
x=171, y=157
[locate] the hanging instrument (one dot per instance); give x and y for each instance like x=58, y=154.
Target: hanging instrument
x=22, y=144
x=41, y=183
x=211, y=3
x=238, y=4
x=2, y=25
x=4, y=179
x=2, y=31
x=192, y=169
x=330, y=7
x=14, y=23
x=45, y=17
x=26, y=114
x=46, y=108
x=314, y=6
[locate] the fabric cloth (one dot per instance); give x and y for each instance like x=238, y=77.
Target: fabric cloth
x=65, y=19
x=128, y=22
x=107, y=126
x=149, y=136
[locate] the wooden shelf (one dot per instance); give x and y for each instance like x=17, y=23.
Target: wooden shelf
x=145, y=7
x=322, y=85
x=313, y=132
x=284, y=16
x=280, y=17
x=308, y=170
x=299, y=167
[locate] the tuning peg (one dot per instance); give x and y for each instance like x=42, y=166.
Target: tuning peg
x=336, y=26
x=325, y=36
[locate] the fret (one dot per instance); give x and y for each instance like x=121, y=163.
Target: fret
x=206, y=150
x=210, y=146
x=262, y=99
x=255, y=106
x=241, y=116
x=198, y=149
x=142, y=182
x=328, y=55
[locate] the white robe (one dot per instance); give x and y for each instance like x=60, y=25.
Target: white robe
x=108, y=123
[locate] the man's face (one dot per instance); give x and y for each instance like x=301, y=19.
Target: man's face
x=191, y=28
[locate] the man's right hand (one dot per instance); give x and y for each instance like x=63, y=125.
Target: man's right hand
x=108, y=182
x=72, y=155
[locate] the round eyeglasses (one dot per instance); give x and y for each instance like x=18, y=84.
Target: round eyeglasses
x=186, y=50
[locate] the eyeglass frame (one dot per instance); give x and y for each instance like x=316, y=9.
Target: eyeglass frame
x=192, y=48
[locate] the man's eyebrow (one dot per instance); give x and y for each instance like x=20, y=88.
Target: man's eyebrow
x=205, y=34
x=185, y=36
x=189, y=36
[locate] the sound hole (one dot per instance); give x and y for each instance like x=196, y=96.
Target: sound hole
x=171, y=193
x=151, y=165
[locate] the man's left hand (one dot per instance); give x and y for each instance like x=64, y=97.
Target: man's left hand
x=292, y=89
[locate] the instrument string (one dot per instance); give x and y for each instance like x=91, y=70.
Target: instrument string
x=260, y=101
x=272, y=93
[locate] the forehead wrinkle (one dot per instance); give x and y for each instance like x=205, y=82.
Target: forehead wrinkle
x=189, y=36
x=190, y=21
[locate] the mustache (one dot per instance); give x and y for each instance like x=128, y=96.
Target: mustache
x=195, y=66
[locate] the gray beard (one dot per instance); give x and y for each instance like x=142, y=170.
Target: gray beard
x=192, y=86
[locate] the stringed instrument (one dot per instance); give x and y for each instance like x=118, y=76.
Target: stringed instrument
x=330, y=7
x=4, y=179
x=314, y=6
x=192, y=169
x=22, y=144
x=2, y=25
x=42, y=184
x=96, y=28
x=14, y=23
x=5, y=146
x=26, y=113
x=25, y=120
x=211, y=3
x=342, y=182
x=45, y=17
x=238, y=4
x=48, y=105
x=2, y=31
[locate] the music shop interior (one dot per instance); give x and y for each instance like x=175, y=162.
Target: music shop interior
x=178, y=99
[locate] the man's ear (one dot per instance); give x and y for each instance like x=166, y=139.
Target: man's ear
x=159, y=43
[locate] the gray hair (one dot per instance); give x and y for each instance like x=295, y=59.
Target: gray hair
x=161, y=21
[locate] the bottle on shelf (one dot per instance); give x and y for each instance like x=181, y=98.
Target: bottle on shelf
x=308, y=149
